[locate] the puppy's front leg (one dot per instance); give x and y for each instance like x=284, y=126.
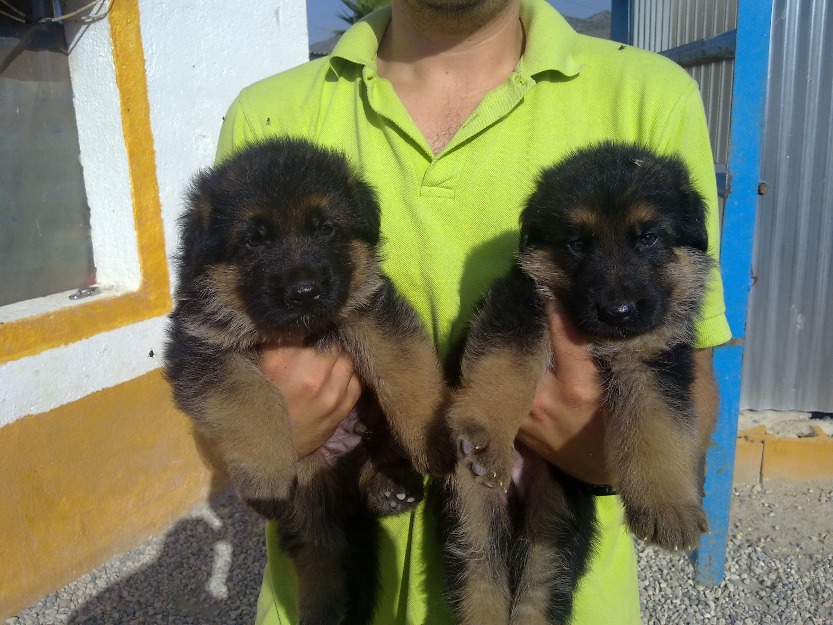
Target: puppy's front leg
x=654, y=451
x=495, y=395
x=245, y=418
x=396, y=358
x=387, y=481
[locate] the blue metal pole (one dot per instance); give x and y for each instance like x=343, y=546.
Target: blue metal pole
x=620, y=20
x=746, y=131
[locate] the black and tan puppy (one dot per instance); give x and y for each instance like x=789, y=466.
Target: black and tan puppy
x=617, y=234
x=279, y=243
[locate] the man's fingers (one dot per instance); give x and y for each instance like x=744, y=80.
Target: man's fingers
x=320, y=389
x=341, y=388
x=563, y=332
x=297, y=367
x=571, y=354
x=351, y=395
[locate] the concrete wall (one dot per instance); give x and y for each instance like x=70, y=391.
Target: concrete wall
x=95, y=456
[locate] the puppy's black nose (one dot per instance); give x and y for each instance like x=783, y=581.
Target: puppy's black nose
x=303, y=292
x=619, y=312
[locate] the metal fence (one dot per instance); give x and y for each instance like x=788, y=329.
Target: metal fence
x=788, y=363
x=659, y=25
x=788, y=356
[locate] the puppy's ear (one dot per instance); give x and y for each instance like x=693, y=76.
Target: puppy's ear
x=195, y=225
x=691, y=226
x=684, y=201
x=366, y=211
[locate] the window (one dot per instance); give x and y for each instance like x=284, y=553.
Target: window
x=45, y=244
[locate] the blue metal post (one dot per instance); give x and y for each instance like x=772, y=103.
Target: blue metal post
x=620, y=20
x=746, y=131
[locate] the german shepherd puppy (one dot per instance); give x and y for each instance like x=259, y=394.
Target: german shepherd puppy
x=617, y=234
x=279, y=242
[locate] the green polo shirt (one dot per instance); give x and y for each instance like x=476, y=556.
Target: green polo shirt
x=450, y=226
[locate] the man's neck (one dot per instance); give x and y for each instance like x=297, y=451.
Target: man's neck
x=442, y=71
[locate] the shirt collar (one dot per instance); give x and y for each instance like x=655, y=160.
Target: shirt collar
x=361, y=41
x=550, y=40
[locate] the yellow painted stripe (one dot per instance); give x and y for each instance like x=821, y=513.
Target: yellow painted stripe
x=91, y=479
x=35, y=334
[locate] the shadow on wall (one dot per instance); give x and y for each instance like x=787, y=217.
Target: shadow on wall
x=208, y=571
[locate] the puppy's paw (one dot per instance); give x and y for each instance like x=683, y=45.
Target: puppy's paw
x=394, y=491
x=675, y=526
x=268, y=498
x=482, y=457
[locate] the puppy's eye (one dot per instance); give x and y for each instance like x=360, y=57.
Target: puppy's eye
x=254, y=240
x=648, y=239
x=578, y=246
x=326, y=228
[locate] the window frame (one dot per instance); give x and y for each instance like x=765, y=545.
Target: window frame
x=85, y=318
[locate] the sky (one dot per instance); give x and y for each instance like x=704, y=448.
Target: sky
x=322, y=15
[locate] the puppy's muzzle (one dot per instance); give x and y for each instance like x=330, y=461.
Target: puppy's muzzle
x=303, y=293
x=617, y=313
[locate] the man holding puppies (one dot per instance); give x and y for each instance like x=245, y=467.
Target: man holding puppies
x=450, y=108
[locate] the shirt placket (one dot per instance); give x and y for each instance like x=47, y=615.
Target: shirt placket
x=442, y=170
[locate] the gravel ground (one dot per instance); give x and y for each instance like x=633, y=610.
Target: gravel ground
x=207, y=570
x=779, y=565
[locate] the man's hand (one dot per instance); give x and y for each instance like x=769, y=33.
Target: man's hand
x=566, y=425
x=320, y=388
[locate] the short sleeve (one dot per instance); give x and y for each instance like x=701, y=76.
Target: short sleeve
x=686, y=133
x=236, y=130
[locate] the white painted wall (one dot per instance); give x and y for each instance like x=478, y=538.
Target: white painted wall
x=198, y=56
